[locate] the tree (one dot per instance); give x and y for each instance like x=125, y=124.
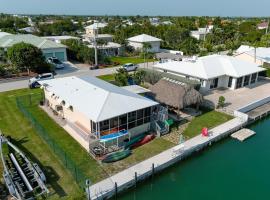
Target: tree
x=138, y=76
x=146, y=47
x=221, y=102
x=25, y=56
x=121, y=77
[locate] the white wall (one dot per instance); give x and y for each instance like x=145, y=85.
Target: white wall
x=138, y=46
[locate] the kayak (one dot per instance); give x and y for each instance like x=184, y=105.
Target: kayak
x=145, y=140
x=116, y=156
x=134, y=140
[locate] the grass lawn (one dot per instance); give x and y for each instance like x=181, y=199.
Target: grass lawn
x=108, y=77
x=12, y=122
x=139, y=154
x=124, y=60
x=208, y=119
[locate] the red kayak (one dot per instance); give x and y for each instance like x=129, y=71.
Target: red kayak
x=145, y=140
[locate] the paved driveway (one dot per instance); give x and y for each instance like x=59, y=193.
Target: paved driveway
x=236, y=99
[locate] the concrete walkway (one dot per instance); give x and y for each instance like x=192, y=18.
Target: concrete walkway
x=126, y=178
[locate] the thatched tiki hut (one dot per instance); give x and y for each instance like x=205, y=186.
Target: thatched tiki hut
x=175, y=94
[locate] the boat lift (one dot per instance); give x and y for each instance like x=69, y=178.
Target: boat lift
x=23, y=179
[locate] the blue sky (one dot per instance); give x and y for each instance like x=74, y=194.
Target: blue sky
x=141, y=7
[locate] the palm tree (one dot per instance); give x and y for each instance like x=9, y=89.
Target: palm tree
x=146, y=47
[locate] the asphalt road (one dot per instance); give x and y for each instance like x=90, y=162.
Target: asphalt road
x=70, y=70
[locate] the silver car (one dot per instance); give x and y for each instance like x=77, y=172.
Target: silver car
x=130, y=67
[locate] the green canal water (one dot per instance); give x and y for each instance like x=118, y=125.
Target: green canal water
x=227, y=170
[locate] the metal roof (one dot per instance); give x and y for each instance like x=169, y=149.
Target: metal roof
x=9, y=40
x=96, y=99
x=136, y=89
x=144, y=38
x=209, y=67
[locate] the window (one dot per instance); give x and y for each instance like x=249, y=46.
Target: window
x=104, y=125
x=132, y=116
x=214, y=83
x=253, y=78
x=230, y=82
x=239, y=82
x=246, y=80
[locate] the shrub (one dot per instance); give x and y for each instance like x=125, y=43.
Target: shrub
x=221, y=102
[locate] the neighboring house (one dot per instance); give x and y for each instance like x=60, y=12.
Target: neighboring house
x=138, y=41
x=263, y=26
x=215, y=71
x=49, y=48
x=175, y=94
x=98, y=111
x=2, y=34
x=154, y=21
x=201, y=32
x=259, y=55
x=92, y=29
x=59, y=39
x=109, y=48
x=29, y=29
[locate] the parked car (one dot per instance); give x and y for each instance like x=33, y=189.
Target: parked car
x=130, y=67
x=33, y=82
x=56, y=62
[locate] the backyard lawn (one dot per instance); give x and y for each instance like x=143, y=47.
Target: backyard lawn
x=124, y=60
x=208, y=119
x=12, y=123
x=139, y=154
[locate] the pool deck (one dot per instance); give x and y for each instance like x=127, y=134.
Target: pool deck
x=129, y=177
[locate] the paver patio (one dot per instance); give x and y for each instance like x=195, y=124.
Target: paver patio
x=236, y=99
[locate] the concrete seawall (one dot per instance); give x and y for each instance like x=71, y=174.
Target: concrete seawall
x=129, y=177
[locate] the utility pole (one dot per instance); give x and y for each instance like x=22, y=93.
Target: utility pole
x=95, y=45
x=266, y=32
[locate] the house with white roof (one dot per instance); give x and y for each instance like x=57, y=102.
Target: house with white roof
x=138, y=41
x=201, y=32
x=215, y=71
x=98, y=110
x=92, y=29
x=108, y=47
x=259, y=55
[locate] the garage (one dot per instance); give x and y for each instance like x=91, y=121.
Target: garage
x=60, y=53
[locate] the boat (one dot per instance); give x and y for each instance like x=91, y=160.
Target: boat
x=24, y=180
x=145, y=140
x=133, y=141
x=116, y=156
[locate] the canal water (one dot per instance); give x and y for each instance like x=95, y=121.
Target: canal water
x=227, y=170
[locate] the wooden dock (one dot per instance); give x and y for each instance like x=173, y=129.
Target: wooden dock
x=243, y=134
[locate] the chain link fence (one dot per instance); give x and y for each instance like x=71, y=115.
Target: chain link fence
x=24, y=104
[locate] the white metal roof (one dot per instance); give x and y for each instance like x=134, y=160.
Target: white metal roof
x=209, y=67
x=96, y=25
x=144, y=38
x=262, y=53
x=95, y=98
x=243, y=49
x=136, y=89
x=4, y=34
